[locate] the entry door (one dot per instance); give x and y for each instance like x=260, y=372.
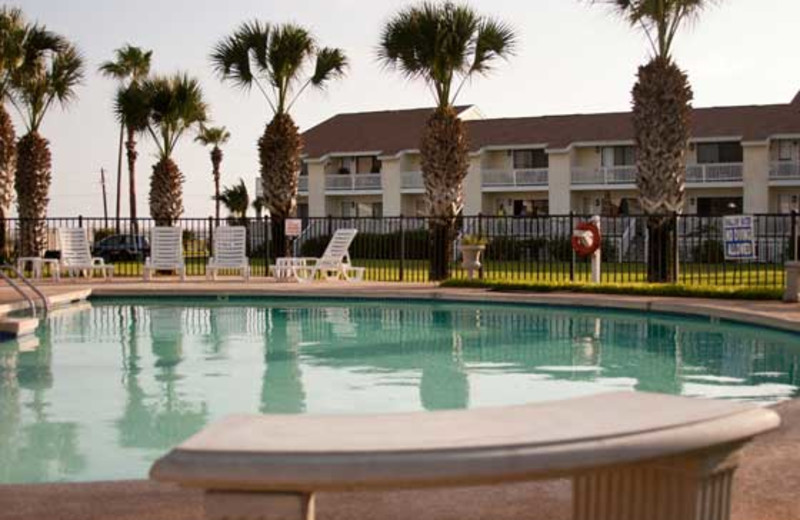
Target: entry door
x=788, y=203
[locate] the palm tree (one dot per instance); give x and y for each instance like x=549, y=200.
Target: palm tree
x=175, y=106
x=132, y=107
x=52, y=69
x=214, y=136
x=281, y=61
x=258, y=206
x=130, y=66
x=13, y=33
x=445, y=45
x=236, y=200
x=662, y=113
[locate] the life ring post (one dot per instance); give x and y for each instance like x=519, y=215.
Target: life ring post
x=586, y=241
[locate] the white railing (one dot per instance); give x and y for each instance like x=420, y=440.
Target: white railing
x=785, y=170
x=722, y=172
x=412, y=181
x=302, y=183
x=604, y=175
x=357, y=182
x=514, y=178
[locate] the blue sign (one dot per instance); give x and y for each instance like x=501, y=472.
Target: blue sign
x=739, y=237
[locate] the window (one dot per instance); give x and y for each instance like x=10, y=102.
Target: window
x=530, y=208
x=716, y=206
x=303, y=168
x=345, y=166
x=530, y=159
x=785, y=151
x=618, y=156
x=718, y=153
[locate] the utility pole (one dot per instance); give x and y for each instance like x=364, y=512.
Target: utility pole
x=105, y=200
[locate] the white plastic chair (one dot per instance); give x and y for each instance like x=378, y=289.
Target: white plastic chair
x=76, y=256
x=166, y=252
x=230, y=252
x=334, y=264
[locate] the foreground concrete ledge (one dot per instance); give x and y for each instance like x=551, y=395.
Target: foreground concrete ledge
x=311, y=453
x=16, y=327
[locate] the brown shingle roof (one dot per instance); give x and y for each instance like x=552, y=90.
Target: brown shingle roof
x=393, y=131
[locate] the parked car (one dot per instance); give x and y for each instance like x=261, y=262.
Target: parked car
x=121, y=247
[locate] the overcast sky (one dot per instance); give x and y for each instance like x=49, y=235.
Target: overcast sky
x=572, y=58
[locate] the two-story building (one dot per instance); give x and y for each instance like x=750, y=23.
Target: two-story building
x=742, y=159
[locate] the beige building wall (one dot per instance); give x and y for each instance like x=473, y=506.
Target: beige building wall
x=586, y=157
x=473, y=189
x=559, y=182
x=497, y=160
x=756, y=177
x=391, y=182
x=316, y=189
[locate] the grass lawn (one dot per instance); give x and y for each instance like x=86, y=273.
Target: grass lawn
x=718, y=275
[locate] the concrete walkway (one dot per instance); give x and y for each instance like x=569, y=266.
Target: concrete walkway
x=767, y=482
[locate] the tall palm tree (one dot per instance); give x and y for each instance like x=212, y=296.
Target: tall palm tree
x=175, y=106
x=215, y=137
x=51, y=71
x=236, y=200
x=662, y=112
x=281, y=61
x=13, y=33
x=132, y=107
x=445, y=45
x=131, y=65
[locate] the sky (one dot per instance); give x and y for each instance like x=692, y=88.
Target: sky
x=572, y=57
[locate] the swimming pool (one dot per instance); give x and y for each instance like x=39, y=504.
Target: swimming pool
x=107, y=387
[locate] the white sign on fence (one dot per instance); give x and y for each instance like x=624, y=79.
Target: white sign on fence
x=293, y=227
x=739, y=237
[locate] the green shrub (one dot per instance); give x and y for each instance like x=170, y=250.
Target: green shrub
x=101, y=233
x=709, y=251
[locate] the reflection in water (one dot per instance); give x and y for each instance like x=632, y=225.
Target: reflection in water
x=109, y=388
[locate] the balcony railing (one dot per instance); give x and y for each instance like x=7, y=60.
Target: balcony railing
x=353, y=182
x=412, y=181
x=302, y=183
x=515, y=178
x=705, y=173
x=604, y=175
x=785, y=171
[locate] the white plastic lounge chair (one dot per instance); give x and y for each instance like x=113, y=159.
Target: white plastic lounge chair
x=166, y=252
x=76, y=257
x=334, y=264
x=230, y=252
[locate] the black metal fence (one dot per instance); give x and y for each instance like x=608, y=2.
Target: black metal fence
x=534, y=249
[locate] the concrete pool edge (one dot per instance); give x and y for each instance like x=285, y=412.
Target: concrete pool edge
x=776, y=315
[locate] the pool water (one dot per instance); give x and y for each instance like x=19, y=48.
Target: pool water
x=107, y=387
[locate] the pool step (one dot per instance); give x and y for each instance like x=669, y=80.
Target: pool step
x=17, y=327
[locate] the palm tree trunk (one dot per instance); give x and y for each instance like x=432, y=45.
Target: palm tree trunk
x=8, y=164
x=662, y=125
x=444, y=166
x=166, y=192
x=216, y=161
x=279, y=153
x=32, y=183
x=132, y=154
x=119, y=175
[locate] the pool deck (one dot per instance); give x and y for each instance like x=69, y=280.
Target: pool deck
x=766, y=487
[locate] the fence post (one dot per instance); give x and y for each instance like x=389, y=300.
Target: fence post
x=330, y=226
x=210, y=245
x=480, y=237
x=569, y=237
x=401, y=269
x=675, y=249
x=80, y=221
x=794, y=252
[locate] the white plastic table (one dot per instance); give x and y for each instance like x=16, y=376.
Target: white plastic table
x=36, y=264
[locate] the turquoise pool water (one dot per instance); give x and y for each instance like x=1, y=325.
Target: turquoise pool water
x=108, y=386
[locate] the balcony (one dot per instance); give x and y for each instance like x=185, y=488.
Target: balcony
x=302, y=184
x=502, y=179
x=784, y=171
x=353, y=182
x=412, y=182
x=710, y=173
x=604, y=175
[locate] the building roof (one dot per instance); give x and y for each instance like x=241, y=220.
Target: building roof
x=390, y=132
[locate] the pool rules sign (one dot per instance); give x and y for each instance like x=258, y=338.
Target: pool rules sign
x=739, y=237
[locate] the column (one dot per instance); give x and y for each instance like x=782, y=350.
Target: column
x=559, y=182
x=473, y=189
x=756, y=177
x=316, y=189
x=391, y=184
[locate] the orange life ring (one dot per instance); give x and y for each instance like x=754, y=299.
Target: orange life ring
x=577, y=243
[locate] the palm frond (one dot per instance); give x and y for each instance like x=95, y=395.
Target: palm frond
x=212, y=135
x=132, y=107
x=130, y=63
x=331, y=64
x=176, y=104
